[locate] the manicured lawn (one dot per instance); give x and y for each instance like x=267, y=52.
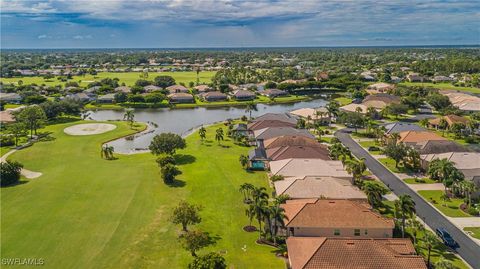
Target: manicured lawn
x=474, y=231
x=439, y=251
x=450, y=208
x=390, y=164
x=367, y=144
x=258, y=100
x=128, y=78
x=86, y=212
x=7, y=106
x=343, y=101
x=442, y=86
x=424, y=180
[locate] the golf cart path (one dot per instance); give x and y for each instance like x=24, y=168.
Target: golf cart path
x=25, y=172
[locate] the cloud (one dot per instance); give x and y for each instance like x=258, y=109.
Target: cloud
x=42, y=36
x=81, y=37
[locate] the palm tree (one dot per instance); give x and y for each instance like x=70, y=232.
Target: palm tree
x=251, y=106
x=416, y=227
x=243, y=160
x=445, y=171
x=277, y=214
x=250, y=213
x=468, y=188
x=320, y=132
x=129, y=116
x=355, y=168
x=429, y=241
x=219, y=135
x=259, y=193
x=259, y=209
x=246, y=189
x=406, y=207
x=374, y=193
x=444, y=264
x=202, y=132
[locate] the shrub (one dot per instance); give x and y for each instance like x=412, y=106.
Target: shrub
x=472, y=211
x=7, y=141
x=276, y=178
x=10, y=173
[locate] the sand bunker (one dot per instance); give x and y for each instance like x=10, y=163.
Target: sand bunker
x=89, y=128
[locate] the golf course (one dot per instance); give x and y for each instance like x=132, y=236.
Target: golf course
x=129, y=78
x=88, y=212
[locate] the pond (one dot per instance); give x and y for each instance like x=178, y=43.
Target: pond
x=183, y=121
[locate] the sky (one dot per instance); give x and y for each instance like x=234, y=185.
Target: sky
x=235, y=23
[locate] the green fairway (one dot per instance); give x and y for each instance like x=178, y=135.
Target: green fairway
x=128, y=78
x=442, y=86
x=86, y=212
x=343, y=101
x=450, y=208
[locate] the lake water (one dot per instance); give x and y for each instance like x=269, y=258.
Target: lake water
x=183, y=121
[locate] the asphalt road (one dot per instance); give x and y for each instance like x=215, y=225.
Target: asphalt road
x=468, y=249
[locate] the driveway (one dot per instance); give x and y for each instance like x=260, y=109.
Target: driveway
x=468, y=249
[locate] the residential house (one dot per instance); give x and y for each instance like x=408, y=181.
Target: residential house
x=438, y=146
x=300, y=168
x=243, y=95
x=273, y=93
x=285, y=117
x=463, y=101
x=347, y=253
x=380, y=87
x=381, y=100
x=124, y=89
x=354, y=108
x=318, y=187
x=260, y=157
x=467, y=162
x=449, y=119
x=271, y=132
x=240, y=129
x=442, y=79
x=152, y=88
x=413, y=137
x=81, y=97
x=318, y=115
x=180, y=98
x=13, y=98
x=289, y=140
x=335, y=218
x=177, y=89
x=398, y=127
x=257, y=125
x=213, y=96
x=203, y=88
x=415, y=77
x=106, y=99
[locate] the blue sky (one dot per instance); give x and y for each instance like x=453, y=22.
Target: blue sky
x=232, y=23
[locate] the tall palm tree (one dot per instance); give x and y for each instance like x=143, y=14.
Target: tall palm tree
x=219, y=135
x=246, y=189
x=406, y=207
x=202, y=132
x=251, y=106
x=243, y=160
x=259, y=207
x=468, y=188
x=259, y=193
x=277, y=214
x=445, y=171
x=129, y=116
x=355, y=168
x=429, y=241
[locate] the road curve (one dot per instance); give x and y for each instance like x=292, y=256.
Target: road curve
x=468, y=249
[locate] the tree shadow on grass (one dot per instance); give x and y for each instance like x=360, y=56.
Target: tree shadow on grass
x=20, y=182
x=184, y=159
x=177, y=183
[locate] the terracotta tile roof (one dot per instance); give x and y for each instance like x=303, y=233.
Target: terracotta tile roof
x=419, y=136
x=290, y=140
x=257, y=125
x=316, y=187
x=438, y=146
x=451, y=119
x=345, y=253
x=353, y=108
x=177, y=89
x=288, y=152
x=312, y=112
x=330, y=213
x=271, y=132
x=384, y=97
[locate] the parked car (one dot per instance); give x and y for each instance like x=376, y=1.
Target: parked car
x=446, y=238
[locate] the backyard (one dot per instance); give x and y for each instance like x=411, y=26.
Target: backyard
x=87, y=212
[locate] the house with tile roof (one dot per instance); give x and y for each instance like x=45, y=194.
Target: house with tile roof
x=317, y=187
x=286, y=152
x=177, y=89
x=261, y=124
x=449, y=119
x=285, y=117
x=347, y=253
x=289, y=140
x=335, y=218
x=181, y=97
x=320, y=114
x=438, y=146
x=300, y=168
x=398, y=127
x=271, y=132
x=413, y=137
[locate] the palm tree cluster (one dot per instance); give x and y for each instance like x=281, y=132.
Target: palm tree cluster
x=339, y=151
x=445, y=171
x=404, y=209
x=107, y=152
x=271, y=215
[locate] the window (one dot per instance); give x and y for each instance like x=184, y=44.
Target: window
x=356, y=232
x=336, y=232
x=366, y=232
